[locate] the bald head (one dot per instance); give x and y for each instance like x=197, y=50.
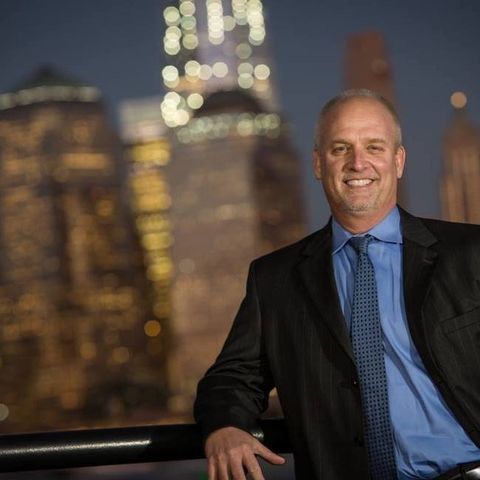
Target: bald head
x=349, y=95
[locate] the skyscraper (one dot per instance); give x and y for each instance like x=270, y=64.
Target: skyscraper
x=234, y=176
x=460, y=194
x=213, y=45
x=367, y=65
x=74, y=312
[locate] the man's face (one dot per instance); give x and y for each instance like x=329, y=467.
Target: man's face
x=358, y=160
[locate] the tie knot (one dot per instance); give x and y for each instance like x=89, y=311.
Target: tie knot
x=360, y=244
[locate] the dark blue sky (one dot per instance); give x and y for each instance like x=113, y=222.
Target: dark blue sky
x=116, y=45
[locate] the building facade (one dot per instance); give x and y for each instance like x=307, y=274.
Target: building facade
x=460, y=195
x=367, y=65
x=78, y=345
x=234, y=176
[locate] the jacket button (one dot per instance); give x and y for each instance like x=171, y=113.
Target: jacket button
x=355, y=383
x=357, y=440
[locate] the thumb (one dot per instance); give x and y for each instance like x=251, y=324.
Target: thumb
x=268, y=455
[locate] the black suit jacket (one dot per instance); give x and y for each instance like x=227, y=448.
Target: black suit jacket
x=290, y=333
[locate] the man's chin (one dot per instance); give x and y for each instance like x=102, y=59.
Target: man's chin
x=357, y=208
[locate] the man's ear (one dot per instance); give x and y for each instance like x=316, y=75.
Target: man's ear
x=400, y=157
x=317, y=164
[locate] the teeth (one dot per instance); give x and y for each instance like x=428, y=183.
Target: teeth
x=359, y=183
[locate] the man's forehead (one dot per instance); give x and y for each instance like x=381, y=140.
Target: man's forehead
x=359, y=105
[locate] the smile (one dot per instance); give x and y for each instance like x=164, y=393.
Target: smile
x=359, y=182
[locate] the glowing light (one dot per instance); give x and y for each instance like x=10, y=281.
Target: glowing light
x=256, y=36
x=189, y=23
x=120, y=355
x=173, y=33
x=220, y=69
x=190, y=41
x=195, y=100
x=171, y=47
x=205, y=72
x=458, y=99
x=243, y=51
x=245, y=80
x=239, y=8
x=187, y=8
x=171, y=83
x=152, y=328
x=262, y=72
x=245, y=68
x=245, y=127
x=173, y=98
x=192, y=68
x=215, y=21
x=171, y=15
x=170, y=73
x=182, y=117
x=228, y=23
x=88, y=350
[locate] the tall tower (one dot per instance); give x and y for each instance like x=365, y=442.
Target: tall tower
x=367, y=65
x=75, y=319
x=213, y=45
x=460, y=194
x=234, y=176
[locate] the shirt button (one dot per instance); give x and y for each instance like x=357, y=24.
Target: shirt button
x=355, y=383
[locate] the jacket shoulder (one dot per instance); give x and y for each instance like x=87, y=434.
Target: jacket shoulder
x=287, y=256
x=454, y=233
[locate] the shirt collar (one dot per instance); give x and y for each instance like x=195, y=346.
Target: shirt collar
x=388, y=230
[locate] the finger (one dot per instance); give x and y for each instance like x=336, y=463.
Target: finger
x=222, y=468
x=253, y=467
x=212, y=472
x=237, y=470
x=268, y=455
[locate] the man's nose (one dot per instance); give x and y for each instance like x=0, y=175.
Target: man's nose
x=357, y=160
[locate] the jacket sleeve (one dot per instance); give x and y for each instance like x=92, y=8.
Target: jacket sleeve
x=234, y=391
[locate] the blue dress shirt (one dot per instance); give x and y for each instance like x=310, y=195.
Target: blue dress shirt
x=428, y=439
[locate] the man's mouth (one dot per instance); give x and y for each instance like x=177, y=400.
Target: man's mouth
x=359, y=182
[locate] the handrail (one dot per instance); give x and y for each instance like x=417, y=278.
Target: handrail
x=115, y=446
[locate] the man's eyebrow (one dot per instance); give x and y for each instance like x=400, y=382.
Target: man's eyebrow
x=348, y=142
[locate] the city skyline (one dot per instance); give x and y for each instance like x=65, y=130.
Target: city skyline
x=433, y=53
x=80, y=334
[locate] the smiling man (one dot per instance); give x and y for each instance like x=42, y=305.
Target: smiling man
x=369, y=328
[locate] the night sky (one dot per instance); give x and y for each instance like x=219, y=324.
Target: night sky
x=116, y=45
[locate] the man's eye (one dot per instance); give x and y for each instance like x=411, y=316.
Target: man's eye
x=375, y=148
x=339, y=150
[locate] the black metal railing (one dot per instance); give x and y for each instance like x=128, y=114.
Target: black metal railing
x=116, y=446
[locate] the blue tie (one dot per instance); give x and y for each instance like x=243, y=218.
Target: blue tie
x=367, y=345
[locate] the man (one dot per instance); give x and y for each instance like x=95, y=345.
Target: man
x=318, y=314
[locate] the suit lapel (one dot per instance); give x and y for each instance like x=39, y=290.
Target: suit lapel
x=419, y=260
x=316, y=272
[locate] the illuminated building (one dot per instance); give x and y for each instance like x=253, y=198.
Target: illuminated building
x=81, y=344
x=461, y=173
x=234, y=177
x=367, y=65
x=148, y=150
x=213, y=45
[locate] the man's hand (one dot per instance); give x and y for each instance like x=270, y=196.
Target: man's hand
x=231, y=452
